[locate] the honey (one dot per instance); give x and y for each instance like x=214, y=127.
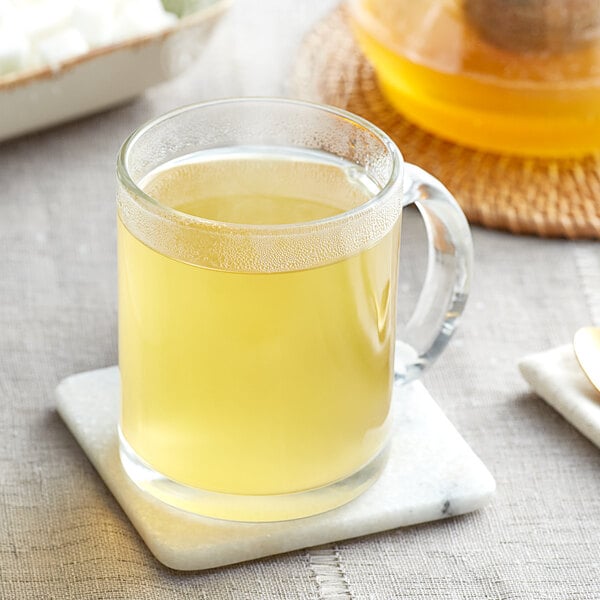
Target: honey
x=439, y=69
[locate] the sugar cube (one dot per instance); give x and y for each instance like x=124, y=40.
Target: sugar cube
x=44, y=17
x=141, y=17
x=14, y=51
x=61, y=45
x=95, y=21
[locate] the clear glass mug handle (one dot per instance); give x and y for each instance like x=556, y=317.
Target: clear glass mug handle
x=447, y=279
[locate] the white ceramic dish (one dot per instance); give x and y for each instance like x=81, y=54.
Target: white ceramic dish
x=104, y=77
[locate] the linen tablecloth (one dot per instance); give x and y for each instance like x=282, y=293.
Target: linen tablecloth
x=63, y=536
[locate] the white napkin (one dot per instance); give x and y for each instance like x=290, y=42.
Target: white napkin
x=557, y=377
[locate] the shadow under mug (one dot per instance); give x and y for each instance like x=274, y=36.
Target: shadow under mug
x=258, y=361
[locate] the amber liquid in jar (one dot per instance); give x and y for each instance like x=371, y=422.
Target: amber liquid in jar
x=439, y=70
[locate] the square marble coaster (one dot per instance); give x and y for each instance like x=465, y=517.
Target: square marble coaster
x=556, y=376
x=431, y=474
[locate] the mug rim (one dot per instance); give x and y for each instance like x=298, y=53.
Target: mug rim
x=257, y=228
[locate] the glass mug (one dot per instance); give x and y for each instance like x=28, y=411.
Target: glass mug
x=258, y=246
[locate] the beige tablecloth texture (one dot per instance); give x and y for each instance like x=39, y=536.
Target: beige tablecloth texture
x=63, y=536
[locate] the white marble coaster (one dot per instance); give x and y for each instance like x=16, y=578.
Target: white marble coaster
x=557, y=377
x=431, y=474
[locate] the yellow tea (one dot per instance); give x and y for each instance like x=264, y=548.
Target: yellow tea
x=256, y=383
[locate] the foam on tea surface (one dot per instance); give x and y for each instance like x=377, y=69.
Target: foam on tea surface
x=249, y=210
x=258, y=188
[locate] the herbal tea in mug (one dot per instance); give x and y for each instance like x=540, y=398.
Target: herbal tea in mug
x=258, y=268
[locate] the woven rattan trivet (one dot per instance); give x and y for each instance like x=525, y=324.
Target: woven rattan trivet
x=553, y=198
